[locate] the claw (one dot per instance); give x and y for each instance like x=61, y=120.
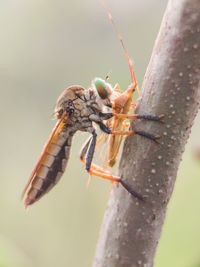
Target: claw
x=161, y=116
x=131, y=191
x=156, y=137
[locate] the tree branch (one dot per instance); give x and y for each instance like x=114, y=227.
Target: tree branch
x=131, y=229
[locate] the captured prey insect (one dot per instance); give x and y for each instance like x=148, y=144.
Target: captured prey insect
x=123, y=104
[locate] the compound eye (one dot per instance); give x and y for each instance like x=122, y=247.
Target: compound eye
x=102, y=88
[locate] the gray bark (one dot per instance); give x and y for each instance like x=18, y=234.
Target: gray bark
x=131, y=228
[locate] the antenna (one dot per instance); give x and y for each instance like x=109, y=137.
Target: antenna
x=133, y=79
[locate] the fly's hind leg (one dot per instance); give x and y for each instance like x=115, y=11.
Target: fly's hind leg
x=102, y=174
x=99, y=172
x=88, y=151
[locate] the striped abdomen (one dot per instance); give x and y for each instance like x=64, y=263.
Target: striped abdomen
x=51, y=166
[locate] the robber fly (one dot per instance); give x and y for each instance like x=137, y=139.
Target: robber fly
x=77, y=109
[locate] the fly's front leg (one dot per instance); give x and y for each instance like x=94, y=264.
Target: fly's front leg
x=150, y=117
x=98, y=118
x=137, y=116
x=106, y=116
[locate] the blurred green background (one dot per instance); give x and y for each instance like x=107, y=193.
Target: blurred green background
x=45, y=47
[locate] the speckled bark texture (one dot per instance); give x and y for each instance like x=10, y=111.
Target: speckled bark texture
x=131, y=229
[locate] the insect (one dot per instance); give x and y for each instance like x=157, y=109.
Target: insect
x=77, y=109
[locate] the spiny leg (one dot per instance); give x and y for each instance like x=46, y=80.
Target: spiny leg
x=131, y=191
x=151, y=118
x=93, y=169
x=141, y=133
x=137, y=116
x=113, y=178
